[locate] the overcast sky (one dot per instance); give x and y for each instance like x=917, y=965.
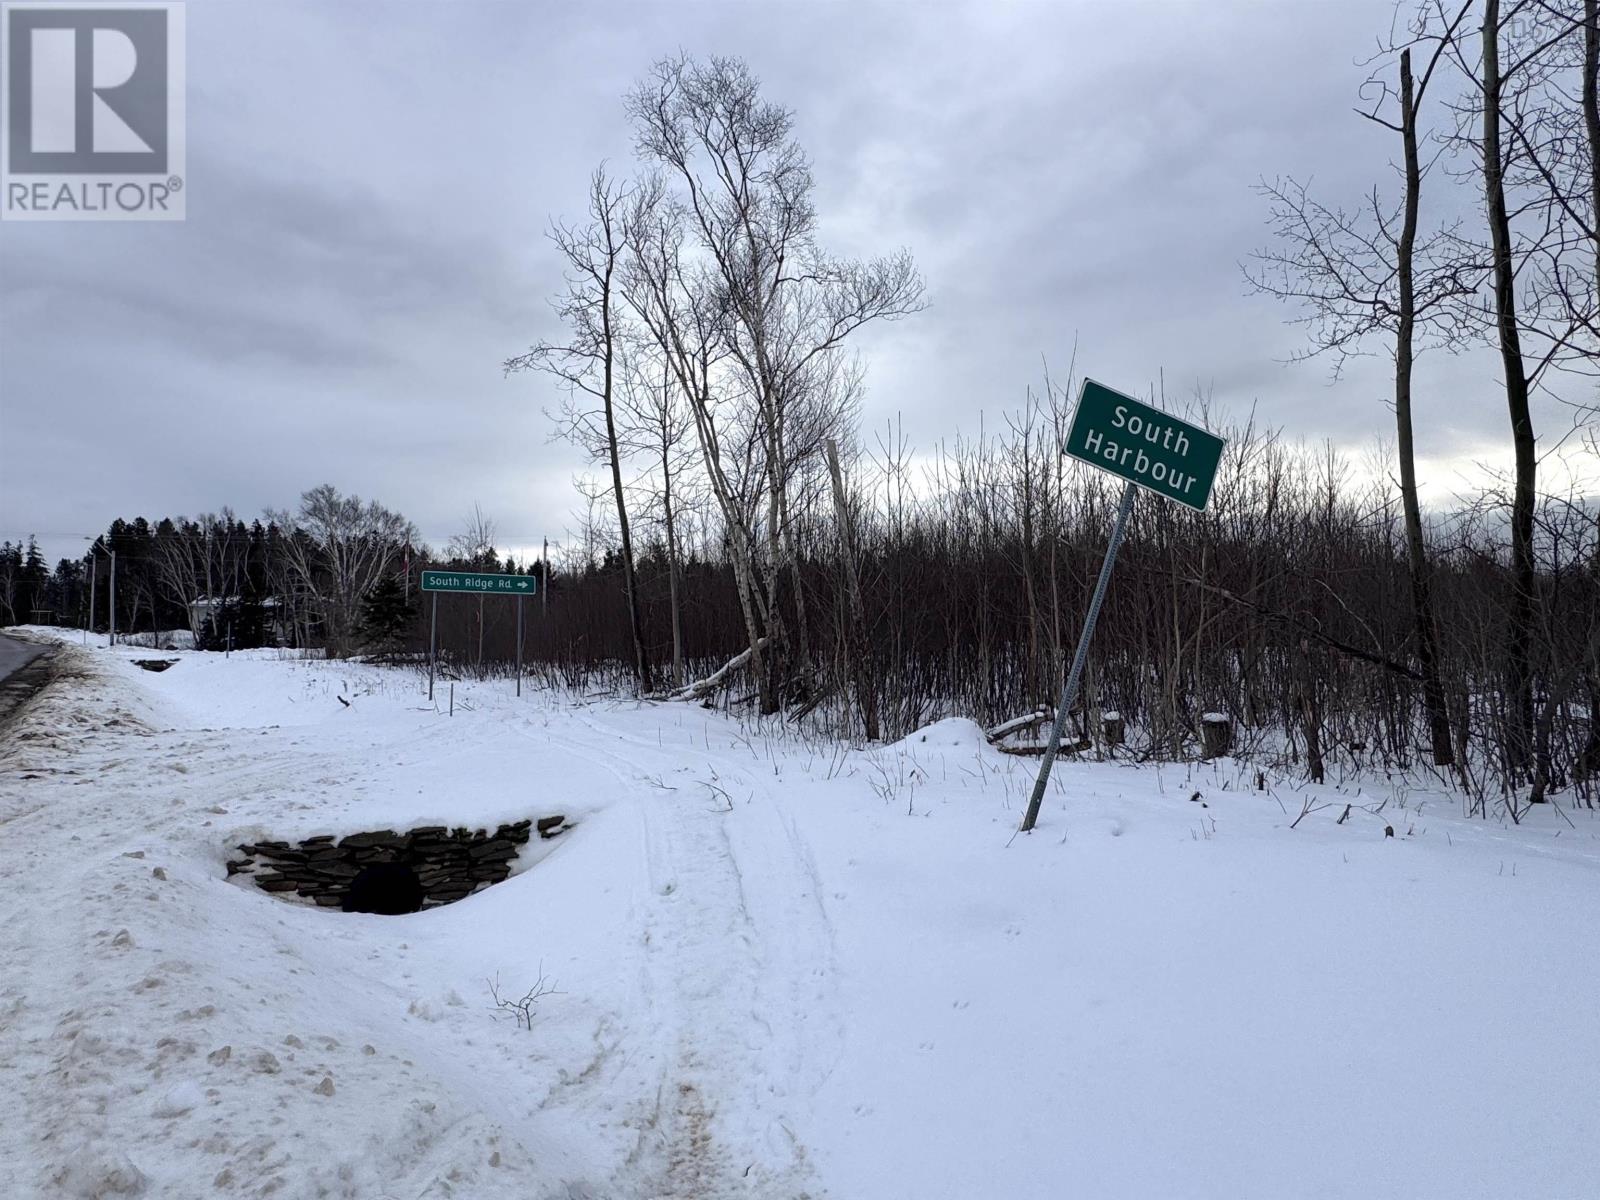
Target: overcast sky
x=369, y=186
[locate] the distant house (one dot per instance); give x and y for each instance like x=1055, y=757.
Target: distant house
x=276, y=615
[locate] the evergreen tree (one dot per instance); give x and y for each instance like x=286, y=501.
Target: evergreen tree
x=386, y=615
x=32, y=581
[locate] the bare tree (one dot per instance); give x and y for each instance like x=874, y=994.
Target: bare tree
x=780, y=304
x=588, y=362
x=1364, y=273
x=333, y=549
x=474, y=547
x=657, y=427
x=1493, y=162
x=675, y=304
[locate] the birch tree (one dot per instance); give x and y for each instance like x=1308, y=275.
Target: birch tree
x=742, y=189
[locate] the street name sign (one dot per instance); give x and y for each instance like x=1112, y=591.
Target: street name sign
x=474, y=583
x=1144, y=445
x=479, y=583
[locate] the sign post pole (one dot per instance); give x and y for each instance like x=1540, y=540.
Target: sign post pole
x=1145, y=447
x=480, y=584
x=433, y=643
x=1069, y=691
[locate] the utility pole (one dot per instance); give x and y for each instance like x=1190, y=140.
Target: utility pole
x=113, y=640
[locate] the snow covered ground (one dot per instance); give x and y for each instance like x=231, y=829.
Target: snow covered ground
x=785, y=969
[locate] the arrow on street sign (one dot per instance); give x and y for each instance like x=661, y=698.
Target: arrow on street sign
x=1144, y=445
x=479, y=583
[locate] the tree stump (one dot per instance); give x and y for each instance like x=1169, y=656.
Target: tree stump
x=1216, y=734
x=1113, y=728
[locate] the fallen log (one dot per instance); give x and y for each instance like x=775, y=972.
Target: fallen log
x=704, y=687
x=1027, y=721
x=1034, y=749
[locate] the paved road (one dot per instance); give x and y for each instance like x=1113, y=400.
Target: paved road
x=15, y=655
x=16, y=683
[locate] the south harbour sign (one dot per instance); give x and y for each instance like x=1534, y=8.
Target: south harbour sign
x=1149, y=449
x=1144, y=445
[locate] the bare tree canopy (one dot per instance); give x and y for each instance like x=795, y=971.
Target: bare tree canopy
x=335, y=548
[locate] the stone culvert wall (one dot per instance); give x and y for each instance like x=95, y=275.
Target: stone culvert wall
x=450, y=864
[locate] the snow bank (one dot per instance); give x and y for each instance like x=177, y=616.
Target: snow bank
x=777, y=972
x=952, y=733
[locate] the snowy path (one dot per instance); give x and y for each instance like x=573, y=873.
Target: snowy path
x=735, y=973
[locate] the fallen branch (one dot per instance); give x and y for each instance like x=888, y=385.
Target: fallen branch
x=1310, y=631
x=1033, y=749
x=704, y=687
x=810, y=705
x=1027, y=721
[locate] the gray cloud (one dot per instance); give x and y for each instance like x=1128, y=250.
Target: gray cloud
x=370, y=184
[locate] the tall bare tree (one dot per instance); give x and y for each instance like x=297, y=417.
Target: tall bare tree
x=588, y=362
x=743, y=189
x=658, y=427
x=1493, y=162
x=1357, y=274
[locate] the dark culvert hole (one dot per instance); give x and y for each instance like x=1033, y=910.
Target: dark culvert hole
x=387, y=871
x=386, y=888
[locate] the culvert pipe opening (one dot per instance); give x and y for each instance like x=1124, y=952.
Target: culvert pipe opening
x=387, y=871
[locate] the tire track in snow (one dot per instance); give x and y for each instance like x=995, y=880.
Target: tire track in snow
x=738, y=960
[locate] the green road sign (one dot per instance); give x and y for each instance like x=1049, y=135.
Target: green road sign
x=1144, y=445
x=479, y=583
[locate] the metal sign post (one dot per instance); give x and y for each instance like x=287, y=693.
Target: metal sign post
x=433, y=643
x=1069, y=692
x=1149, y=449
x=479, y=583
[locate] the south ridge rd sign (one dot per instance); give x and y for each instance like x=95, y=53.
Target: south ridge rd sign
x=479, y=583
x=1144, y=445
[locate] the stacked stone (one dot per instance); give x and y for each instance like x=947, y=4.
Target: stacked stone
x=449, y=864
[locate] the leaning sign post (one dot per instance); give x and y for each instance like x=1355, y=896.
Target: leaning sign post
x=1149, y=449
x=475, y=583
